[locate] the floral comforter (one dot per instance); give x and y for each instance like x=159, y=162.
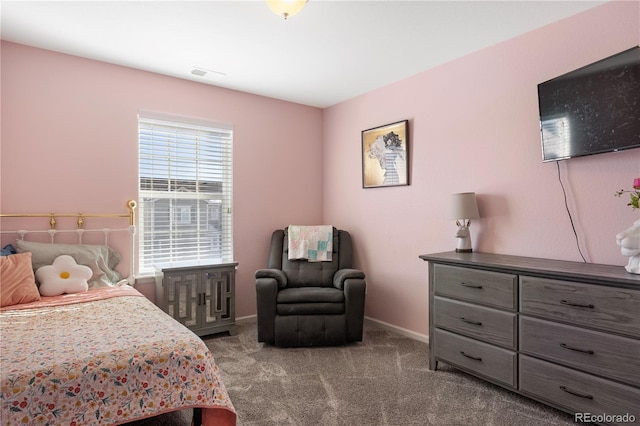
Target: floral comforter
x=101, y=362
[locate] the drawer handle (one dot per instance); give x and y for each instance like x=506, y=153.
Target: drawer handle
x=572, y=392
x=475, y=358
x=468, y=321
x=579, y=305
x=463, y=284
x=586, y=351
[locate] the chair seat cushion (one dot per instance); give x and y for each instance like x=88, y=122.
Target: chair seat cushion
x=310, y=301
x=310, y=295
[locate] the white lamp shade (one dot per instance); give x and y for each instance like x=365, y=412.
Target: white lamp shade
x=464, y=206
x=286, y=8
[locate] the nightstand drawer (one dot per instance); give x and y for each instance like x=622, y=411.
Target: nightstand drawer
x=596, y=306
x=575, y=391
x=474, y=285
x=489, y=325
x=489, y=361
x=610, y=356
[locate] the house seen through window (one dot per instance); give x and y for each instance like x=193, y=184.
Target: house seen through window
x=185, y=192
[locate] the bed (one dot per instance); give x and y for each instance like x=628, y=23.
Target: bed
x=106, y=355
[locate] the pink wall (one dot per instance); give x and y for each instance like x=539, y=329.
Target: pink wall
x=474, y=127
x=69, y=143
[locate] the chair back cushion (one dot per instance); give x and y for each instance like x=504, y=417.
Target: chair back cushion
x=301, y=272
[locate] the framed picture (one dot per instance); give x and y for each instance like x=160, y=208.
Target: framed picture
x=385, y=155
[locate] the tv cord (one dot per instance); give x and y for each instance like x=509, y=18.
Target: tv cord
x=566, y=206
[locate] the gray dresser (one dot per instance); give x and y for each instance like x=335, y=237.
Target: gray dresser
x=200, y=296
x=564, y=333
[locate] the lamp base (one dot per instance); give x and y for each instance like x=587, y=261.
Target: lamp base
x=463, y=250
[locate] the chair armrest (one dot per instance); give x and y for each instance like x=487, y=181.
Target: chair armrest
x=346, y=274
x=266, y=299
x=354, y=295
x=276, y=274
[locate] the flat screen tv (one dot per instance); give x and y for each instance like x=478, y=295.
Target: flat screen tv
x=593, y=109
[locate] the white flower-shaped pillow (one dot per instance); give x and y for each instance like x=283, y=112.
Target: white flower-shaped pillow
x=63, y=276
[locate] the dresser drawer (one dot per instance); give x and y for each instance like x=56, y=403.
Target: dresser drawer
x=595, y=306
x=489, y=361
x=488, y=288
x=575, y=391
x=489, y=325
x=610, y=356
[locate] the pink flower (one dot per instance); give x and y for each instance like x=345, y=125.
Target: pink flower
x=634, y=194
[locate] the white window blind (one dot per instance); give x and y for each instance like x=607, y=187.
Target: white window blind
x=185, y=192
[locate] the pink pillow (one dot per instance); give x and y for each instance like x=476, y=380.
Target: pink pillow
x=17, y=282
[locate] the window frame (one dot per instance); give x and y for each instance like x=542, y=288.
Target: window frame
x=207, y=179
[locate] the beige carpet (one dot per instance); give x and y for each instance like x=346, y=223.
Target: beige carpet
x=382, y=381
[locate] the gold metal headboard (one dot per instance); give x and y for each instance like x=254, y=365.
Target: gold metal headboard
x=80, y=218
x=131, y=205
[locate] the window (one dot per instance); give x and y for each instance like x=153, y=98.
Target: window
x=185, y=192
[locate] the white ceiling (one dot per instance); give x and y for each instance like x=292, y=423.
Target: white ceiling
x=330, y=52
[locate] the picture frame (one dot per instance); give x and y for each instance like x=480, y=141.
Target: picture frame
x=385, y=155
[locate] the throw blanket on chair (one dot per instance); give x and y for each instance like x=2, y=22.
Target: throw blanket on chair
x=314, y=243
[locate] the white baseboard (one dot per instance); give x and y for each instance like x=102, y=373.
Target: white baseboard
x=248, y=318
x=402, y=331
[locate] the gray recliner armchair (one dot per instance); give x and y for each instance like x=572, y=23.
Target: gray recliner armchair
x=302, y=303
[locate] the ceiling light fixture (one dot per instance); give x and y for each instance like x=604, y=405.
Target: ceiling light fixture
x=286, y=8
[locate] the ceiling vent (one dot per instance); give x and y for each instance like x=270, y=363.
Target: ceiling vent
x=210, y=74
x=198, y=72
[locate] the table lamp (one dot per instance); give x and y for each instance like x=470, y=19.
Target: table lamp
x=464, y=207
